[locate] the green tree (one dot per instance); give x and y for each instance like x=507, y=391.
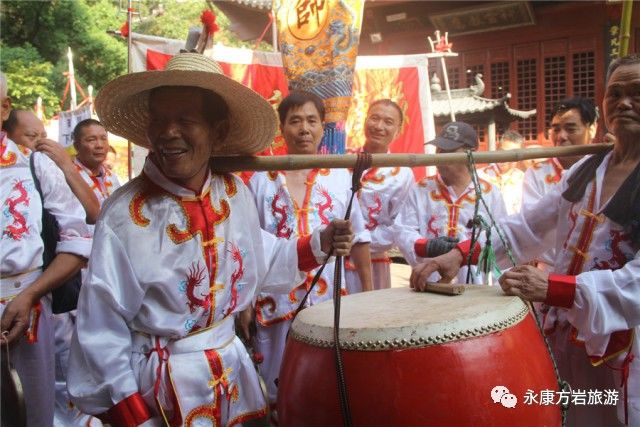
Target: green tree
x=51, y=27
x=177, y=17
x=36, y=34
x=29, y=77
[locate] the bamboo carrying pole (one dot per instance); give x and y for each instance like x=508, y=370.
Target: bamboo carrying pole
x=296, y=162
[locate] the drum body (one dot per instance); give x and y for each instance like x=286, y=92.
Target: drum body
x=416, y=359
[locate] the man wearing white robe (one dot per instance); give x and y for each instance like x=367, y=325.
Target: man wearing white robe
x=383, y=193
x=292, y=204
x=591, y=219
x=25, y=303
x=573, y=122
x=442, y=206
x=179, y=252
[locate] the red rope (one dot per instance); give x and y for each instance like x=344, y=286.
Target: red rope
x=624, y=374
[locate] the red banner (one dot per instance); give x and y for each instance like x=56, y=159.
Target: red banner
x=401, y=78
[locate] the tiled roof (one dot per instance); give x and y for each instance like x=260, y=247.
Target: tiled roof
x=465, y=101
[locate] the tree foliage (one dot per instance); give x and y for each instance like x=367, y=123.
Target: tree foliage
x=36, y=34
x=50, y=28
x=29, y=76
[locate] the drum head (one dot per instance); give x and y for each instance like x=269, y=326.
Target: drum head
x=400, y=317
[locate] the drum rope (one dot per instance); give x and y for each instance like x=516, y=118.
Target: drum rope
x=363, y=162
x=487, y=262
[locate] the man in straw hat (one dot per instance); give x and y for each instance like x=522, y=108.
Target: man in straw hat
x=179, y=252
x=592, y=218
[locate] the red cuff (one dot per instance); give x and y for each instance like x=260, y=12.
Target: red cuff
x=465, y=248
x=420, y=247
x=561, y=291
x=306, y=259
x=129, y=412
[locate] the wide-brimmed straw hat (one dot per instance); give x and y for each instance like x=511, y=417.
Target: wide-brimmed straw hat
x=123, y=104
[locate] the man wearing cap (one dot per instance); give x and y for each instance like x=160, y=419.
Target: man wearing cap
x=507, y=176
x=591, y=218
x=383, y=193
x=179, y=252
x=442, y=206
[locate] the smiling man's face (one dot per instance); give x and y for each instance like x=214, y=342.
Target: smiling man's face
x=181, y=137
x=381, y=127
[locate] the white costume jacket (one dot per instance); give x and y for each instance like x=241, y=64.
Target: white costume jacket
x=20, y=244
x=597, y=280
x=539, y=179
x=103, y=185
x=327, y=196
x=155, y=328
x=383, y=193
x=21, y=248
x=509, y=182
x=433, y=210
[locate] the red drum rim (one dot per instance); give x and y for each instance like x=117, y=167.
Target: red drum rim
x=401, y=318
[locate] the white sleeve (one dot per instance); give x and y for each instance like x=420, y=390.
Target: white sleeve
x=606, y=301
x=361, y=234
x=59, y=200
x=407, y=228
x=498, y=207
x=276, y=258
x=530, y=232
x=383, y=236
x=100, y=373
x=531, y=191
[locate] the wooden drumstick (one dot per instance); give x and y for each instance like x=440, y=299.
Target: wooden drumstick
x=444, y=288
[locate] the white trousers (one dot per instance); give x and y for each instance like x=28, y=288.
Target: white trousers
x=270, y=341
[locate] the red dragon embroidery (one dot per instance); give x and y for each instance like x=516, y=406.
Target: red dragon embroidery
x=195, y=276
x=324, y=206
x=19, y=227
x=235, y=276
x=618, y=258
x=282, y=229
x=373, y=212
x=430, y=227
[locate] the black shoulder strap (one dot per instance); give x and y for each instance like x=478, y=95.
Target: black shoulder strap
x=582, y=176
x=36, y=181
x=624, y=206
x=49, y=232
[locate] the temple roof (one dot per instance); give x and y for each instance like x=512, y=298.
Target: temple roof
x=468, y=102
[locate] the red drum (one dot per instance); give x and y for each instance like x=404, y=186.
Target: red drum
x=419, y=359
